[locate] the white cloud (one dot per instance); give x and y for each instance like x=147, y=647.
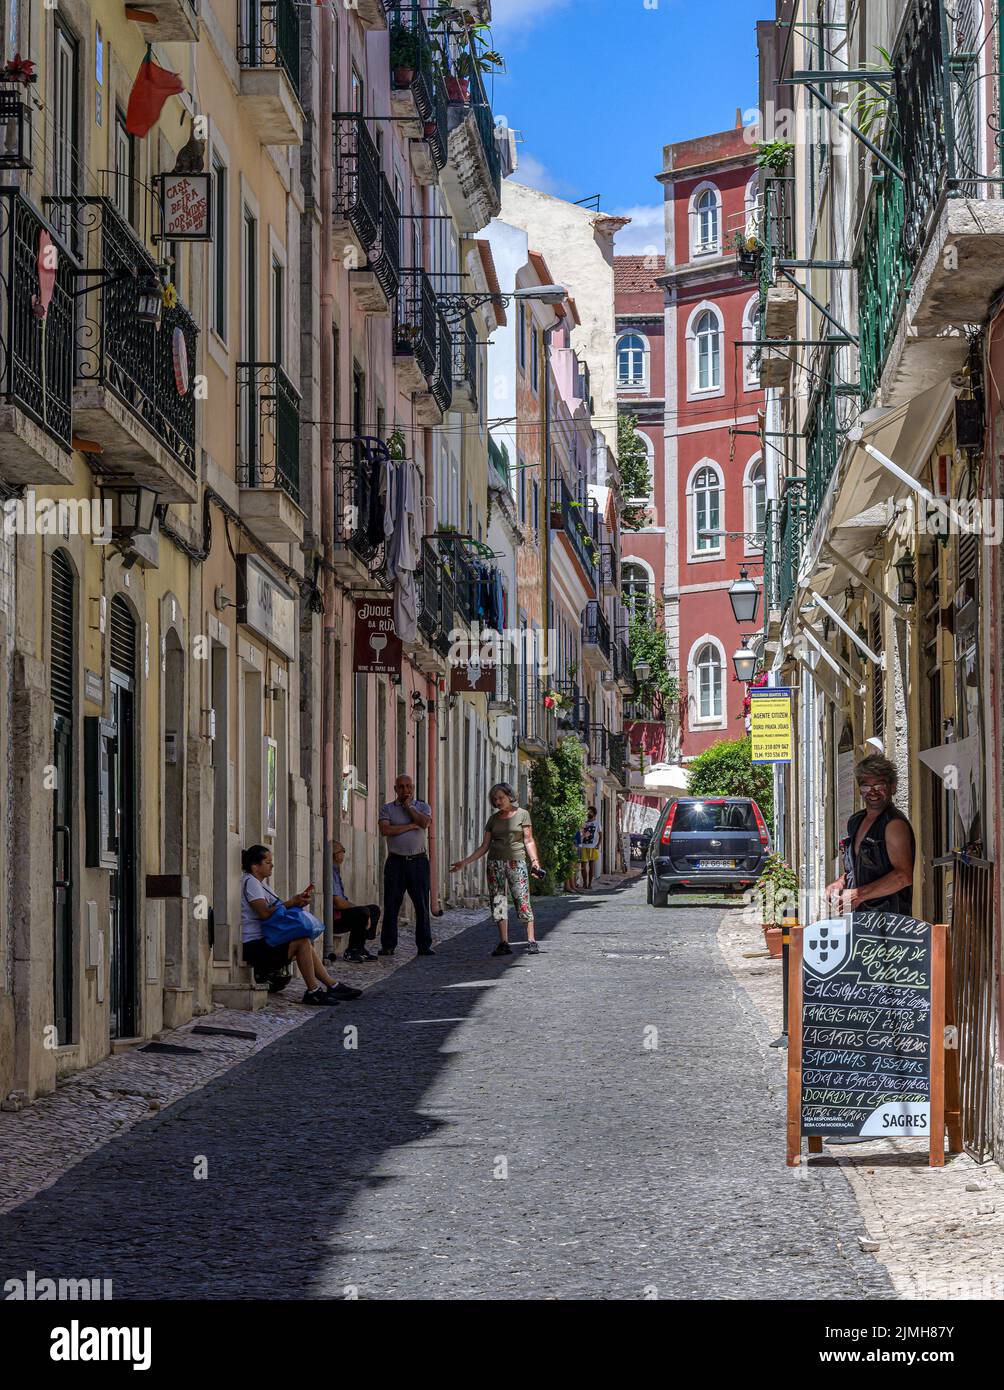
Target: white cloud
x=512, y=16
x=534, y=174
x=645, y=234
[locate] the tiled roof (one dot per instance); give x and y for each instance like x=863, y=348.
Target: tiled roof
x=636, y=274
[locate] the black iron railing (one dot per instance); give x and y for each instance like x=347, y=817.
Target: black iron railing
x=621, y=659
x=413, y=52
x=821, y=449
x=430, y=589
x=617, y=756
x=595, y=628
x=268, y=36
x=359, y=508
x=485, y=122
x=137, y=360
x=441, y=383
x=609, y=565
x=268, y=428
x=36, y=354
x=597, y=745
x=792, y=539
x=777, y=229
x=457, y=564
x=465, y=358
x=385, y=256
x=416, y=329
x=358, y=196
x=580, y=523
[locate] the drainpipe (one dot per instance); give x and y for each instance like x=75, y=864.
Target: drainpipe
x=547, y=485
x=329, y=787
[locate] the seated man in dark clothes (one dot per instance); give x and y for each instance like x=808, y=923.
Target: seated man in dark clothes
x=359, y=922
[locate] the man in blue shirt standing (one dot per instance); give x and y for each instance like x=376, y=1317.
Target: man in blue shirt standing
x=404, y=823
x=359, y=922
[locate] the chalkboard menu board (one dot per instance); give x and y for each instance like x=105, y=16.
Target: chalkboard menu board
x=866, y=1052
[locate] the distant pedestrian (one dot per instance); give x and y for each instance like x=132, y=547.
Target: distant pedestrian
x=591, y=837
x=359, y=922
x=879, y=850
x=512, y=856
x=258, y=902
x=404, y=823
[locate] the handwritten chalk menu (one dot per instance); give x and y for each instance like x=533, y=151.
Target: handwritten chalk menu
x=866, y=1026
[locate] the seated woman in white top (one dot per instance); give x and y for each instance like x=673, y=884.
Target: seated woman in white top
x=259, y=902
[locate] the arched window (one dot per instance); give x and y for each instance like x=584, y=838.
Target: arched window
x=707, y=510
x=708, y=670
x=756, y=498
x=751, y=355
x=632, y=361
x=636, y=587
x=706, y=351
x=706, y=218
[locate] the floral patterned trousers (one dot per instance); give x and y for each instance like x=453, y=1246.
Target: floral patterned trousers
x=511, y=874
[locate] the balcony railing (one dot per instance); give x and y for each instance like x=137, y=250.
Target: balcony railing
x=465, y=360
x=412, y=50
x=359, y=511
x=792, y=533
x=580, y=523
x=441, y=382
x=416, y=330
x=884, y=273
x=485, y=122
x=617, y=756
x=537, y=724
x=132, y=358
x=269, y=37
x=36, y=355
x=358, y=196
x=777, y=229
x=820, y=442
x=461, y=567
x=609, y=566
x=597, y=754
x=771, y=562
x=621, y=660
x=595, y=628
x=268, y=428
x=430, y=591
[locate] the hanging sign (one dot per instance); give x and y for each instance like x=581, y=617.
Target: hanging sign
x=770, y=724
x=186, y=204
x=269, y=608
x=866, y=1051
x=474, y=676
x=377, y=647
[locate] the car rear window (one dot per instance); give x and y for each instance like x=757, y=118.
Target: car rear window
x=709, y=815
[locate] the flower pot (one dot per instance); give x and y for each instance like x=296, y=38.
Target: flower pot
x=772, y=936
x=403, y=77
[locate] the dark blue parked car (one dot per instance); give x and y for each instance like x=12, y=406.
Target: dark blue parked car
x=706, y=842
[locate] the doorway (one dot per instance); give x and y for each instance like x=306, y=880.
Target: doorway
x=61, y=684
x=122, y=886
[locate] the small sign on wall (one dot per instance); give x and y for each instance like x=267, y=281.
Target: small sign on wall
x=186, y=203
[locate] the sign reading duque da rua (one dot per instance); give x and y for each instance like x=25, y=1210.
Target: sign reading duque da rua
x=376, y=645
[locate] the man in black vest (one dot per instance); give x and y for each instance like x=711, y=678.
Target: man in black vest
x=879, y=850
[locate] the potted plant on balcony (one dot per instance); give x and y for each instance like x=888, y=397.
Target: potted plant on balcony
x=777, y=890
x=405, y=54
x=774, y=155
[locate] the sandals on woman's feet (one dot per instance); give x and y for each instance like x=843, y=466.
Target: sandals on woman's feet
x=532, y=949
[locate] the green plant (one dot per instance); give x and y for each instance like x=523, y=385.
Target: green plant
x=774, y=155
x=647, y=643
x=405, y=51
x=472, y=39
x=396, y=445
x=777, y=890
x=636, y=479
x=869, y=107
x=557, y=810
x=727, y=769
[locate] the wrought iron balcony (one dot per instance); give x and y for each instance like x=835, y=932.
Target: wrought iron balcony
x=771, y=563
x=359, y=513
x=385, y=260
x=430, y=590
x=884, y=273
x=618, y=756
x=416, y=329
x=777, y=229
x=472, y=176
x=792, y=537
x=537, y=724
x=441, y=384
x=821, y=449
x=610, y=568
x=459, y=567
x=146, y=367
x=36, y=354
x=596, y=629
x=465, y=365
x=418, y=93
x=579, y=522
x=268, y=428
x=269, y=37
x=485, y=122
x=357, y=192
x=597, y=746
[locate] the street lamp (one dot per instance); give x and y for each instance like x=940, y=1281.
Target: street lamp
x=907, y=579
x=744, y=597
x=130, y=510
x=149, y=298
x=546, y=294
x=642, y=671
x=745, y=661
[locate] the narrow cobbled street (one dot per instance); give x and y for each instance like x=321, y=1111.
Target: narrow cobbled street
x=503, y=1129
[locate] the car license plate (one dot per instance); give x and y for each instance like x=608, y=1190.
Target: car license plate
x=716, y=863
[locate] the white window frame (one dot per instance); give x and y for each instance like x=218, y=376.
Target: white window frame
x=697, y=719
x=641, y=384
x=650, y=579
x=714, y=550
x=749, y=500
x=694, y=390
x=699, y=246
x=751, y=375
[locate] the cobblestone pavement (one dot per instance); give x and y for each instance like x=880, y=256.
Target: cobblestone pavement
x=939, y=1231
x=501, y=1130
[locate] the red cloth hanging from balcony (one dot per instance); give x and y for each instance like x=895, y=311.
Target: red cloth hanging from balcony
x=151, y=89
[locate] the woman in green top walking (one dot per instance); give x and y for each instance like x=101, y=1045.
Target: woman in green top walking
x=508, y=841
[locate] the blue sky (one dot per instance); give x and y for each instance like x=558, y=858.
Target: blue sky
x=597, y=87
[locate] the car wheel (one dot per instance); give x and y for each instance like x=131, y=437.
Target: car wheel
x=660, y=897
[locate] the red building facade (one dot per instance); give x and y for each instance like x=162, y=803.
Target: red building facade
x=714, y=484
